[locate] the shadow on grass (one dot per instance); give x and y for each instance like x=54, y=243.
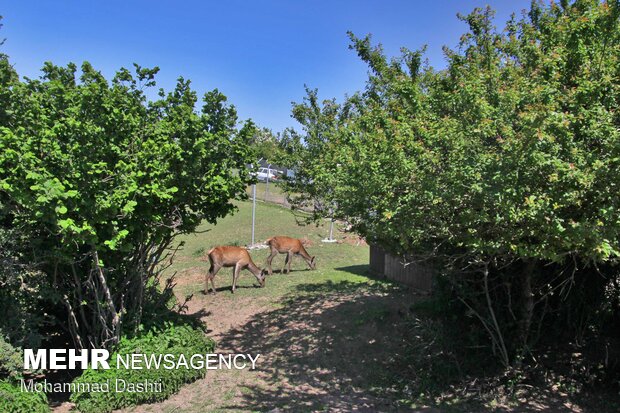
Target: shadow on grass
x=228, y=288
x=363, y=269
x=331, y=346
x=371, y=284
x=356, y=346
x=239, y=287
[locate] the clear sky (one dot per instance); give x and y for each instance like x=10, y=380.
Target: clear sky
x=258, y=53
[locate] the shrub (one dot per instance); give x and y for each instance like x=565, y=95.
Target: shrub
x=102, y=180
x=501, y=168
x=14, y=400
x=10, y=359
x=21, y=295
x=174, y=339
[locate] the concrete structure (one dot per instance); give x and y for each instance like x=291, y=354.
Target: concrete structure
x=393, y=268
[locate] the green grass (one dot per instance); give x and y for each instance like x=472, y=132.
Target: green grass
x=335, y=262
x=262, y=187
x=287, y=298
x=269, y=192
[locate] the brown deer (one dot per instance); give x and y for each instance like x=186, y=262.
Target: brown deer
x=290, y=247
x=228, y=256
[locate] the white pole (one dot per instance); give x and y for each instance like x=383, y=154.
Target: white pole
x=331, y=227
x=267, y=182
x=253, y=210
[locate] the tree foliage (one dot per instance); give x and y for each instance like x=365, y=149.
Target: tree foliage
x=101, y=180
x=311, y=155
x=266, y=144
x=505, y=163
x=513, y=149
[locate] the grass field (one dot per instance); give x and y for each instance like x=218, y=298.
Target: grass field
x=335, y=261
x=270, y=192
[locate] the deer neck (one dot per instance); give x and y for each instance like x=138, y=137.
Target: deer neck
x=255, y=270
x=305, y=255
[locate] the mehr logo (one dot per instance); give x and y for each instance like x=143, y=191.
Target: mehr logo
x=58, y=359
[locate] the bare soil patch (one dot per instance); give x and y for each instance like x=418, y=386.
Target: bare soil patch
x=321, y=350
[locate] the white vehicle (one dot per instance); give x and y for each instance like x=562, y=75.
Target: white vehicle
x=265, y=174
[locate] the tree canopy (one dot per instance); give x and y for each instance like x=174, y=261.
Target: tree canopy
x=101, y=179
x=508, y=155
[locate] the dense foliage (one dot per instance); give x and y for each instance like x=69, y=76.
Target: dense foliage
x=21, y=298
x=14, y=400
x=266, y=144
x=502, y=169
x=312, y=156
x=169, y=339
x=95, y=182
x=11, y=359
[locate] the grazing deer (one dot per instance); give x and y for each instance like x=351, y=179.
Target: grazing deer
x=228, y=256
x=290, y=247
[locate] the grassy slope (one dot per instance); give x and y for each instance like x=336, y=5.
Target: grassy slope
x=335, y=262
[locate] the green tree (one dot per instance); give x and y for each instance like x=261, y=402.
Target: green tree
x=311, y=154
x=504, y=164
x=266, y=145
x=102, y=180
x=8, y=76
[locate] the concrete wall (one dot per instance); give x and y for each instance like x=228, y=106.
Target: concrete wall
x=392, y=268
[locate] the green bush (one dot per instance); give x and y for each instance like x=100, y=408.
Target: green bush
x=14, y=400
x=171, y=339
x=101, y=179
x=21, y=299
x=11, y=359
x=499, y=170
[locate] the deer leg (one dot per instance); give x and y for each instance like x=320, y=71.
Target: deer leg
x=210, y=276
x=289, y=260
x=236, y=272
x=274, y=252
x=285, y=264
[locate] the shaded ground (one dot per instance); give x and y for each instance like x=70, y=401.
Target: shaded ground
x=321, y=348
x=332, y=340
x=325, y=347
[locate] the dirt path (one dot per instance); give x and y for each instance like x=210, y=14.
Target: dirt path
x=326, y=347
x=321, y=350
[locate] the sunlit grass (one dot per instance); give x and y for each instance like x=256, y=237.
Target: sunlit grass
x=336, y=262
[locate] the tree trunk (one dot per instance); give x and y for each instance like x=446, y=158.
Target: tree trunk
x=527, y=302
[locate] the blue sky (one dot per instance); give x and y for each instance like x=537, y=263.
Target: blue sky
x=258, y=53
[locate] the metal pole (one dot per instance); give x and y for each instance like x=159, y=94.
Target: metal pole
x=331, y=227
x=253, y=210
